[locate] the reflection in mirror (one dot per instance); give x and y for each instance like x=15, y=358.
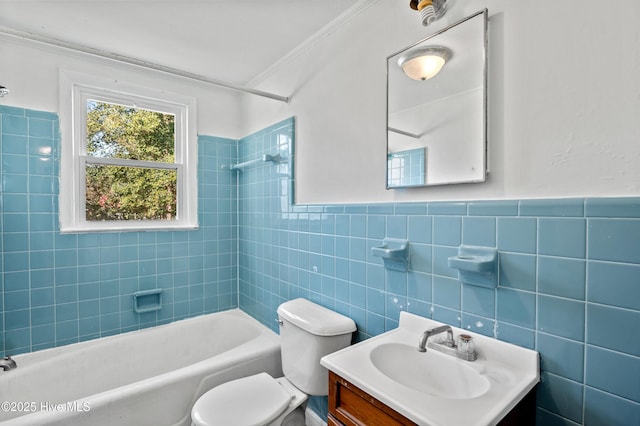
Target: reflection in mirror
x=436, y=105
x=406, y=168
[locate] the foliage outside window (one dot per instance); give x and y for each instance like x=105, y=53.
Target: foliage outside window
x=130, y=163
x=124, y=191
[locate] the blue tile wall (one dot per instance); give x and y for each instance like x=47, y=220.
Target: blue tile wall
x=59, y=289
x=569, y=278
x=569, y=268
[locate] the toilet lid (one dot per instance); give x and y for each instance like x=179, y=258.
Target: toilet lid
x=250, y=401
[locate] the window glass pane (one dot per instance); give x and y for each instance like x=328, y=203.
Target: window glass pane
x=130, y=193
x=118, y=131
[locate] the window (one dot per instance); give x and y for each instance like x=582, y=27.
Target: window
x=128, y=159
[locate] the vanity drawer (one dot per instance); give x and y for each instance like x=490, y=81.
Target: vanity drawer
x=351, y=406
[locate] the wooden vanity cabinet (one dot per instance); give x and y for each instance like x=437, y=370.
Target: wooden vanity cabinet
x=351, y=406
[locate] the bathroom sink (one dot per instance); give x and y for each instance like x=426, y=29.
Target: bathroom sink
x=433, y=373
x=435, y=388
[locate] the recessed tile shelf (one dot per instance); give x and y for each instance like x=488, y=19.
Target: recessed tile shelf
x=476, y=265
x=147, y=301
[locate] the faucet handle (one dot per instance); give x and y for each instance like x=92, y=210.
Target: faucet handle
x=466, y=344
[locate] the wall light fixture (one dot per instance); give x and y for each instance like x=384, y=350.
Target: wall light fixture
x=430, y=10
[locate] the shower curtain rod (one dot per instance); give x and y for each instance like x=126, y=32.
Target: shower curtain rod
x=133, y=61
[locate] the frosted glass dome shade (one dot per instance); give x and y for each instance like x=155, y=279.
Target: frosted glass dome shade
x=425, y=62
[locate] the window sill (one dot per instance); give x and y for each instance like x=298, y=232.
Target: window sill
x=128, y=227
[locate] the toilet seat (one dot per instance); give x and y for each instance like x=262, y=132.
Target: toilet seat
x=250, y=401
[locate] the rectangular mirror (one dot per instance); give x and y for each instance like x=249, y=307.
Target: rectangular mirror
x=437, y=108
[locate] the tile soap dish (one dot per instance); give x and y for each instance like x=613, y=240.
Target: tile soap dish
x=476, y=265
x=394, y=254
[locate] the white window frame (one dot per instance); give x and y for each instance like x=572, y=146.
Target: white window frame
x=75, y=90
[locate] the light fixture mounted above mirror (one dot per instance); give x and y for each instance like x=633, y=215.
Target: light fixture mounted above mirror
x=430, y=10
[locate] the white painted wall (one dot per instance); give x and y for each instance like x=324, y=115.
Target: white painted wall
x=31, y=71
x=564, y=105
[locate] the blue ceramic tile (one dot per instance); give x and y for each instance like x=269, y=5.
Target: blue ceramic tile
x=516, y=307
x=518, y=271
x=394, y=305
x=376, y=226
x=561, y=356
x=613, y=328
x=562, y=237
x=441, y=261
x=14, y=222
x=18, y=261
x=357, y=272
x=380, y=209
x=613, y=207
x=517, y=234
x=15, y=144
x=375, y=276
x=446, y=292
x=562, y=277
x=547, y=418
x=41, y=259
x=411, y=209
x=493, y=208
x=9, y=110
x=614, y=239
x=40, y=128
x=476, y=324
x=561, y=317
x=42, y=297
x=614, y=284
x=15, y=241
x=446, y=315
x=420, y=257
x=479, y=231
x=613, y=372
x=45, y=115
x=16, y=300
x=375, y=324
x=355, y=209
x=560, y=208
x=560, y=396
x=479, y=301
x=358, y=249
x=419, y=229
x=604, y=409
x=447, y=230
x=357, y=295
x=358, y=226
x=15, y=203
x=14, y=125
x=14, y=320
x=397, y=227
x=517, y=335
x=419, y=307
x=447, y=208
x=419, y=286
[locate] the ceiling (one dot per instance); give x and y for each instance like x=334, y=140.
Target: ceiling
x=229, y=40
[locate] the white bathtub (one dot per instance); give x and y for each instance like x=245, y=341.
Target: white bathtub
x=146, y=377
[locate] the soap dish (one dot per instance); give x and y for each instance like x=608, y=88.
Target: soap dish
x=394, y=254
x=476, y=265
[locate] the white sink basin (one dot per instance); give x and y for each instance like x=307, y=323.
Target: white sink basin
x=433, y=372
x=434, y=388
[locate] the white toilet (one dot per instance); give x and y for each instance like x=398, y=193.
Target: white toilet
x=307, y=333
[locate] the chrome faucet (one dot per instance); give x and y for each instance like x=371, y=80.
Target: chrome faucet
x=422, y=344
x=7, y=363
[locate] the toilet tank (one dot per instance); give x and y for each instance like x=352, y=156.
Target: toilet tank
x=307, y=333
